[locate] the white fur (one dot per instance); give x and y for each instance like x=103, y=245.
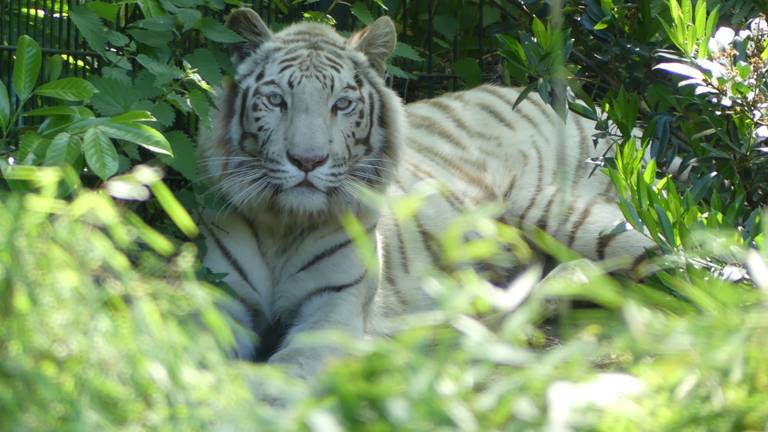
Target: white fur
x=475, y=155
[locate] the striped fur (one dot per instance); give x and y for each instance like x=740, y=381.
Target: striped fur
x=281, y=242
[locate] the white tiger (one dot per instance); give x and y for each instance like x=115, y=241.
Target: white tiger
x=308, y=121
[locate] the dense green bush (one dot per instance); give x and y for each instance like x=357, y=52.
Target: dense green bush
x=105, y=324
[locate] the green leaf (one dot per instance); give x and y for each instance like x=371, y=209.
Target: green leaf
x=406, y=51
x=204, y=61
x=174, y=209
x=71, y=89
x=90, y=27
x=400, y=73
x=360, y=10
x=114, y=97
x=138, y=133
x=185, y=160
x=164, y=113
x=5, y=108
x=151, y=8
x=26, y=68
x=53, y=67
x=215, y=31
x=100, y=153
x=681, y=69
x=163, y=72
x=188, y=18
x=468, y=70
x=446, y=25
x=61, y=110
x=107, y=11
x=133, y=116
x=151, y=37
x=200, y=105
x=32, y=147
x=64, y=149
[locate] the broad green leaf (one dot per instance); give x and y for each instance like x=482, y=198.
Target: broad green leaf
x=100, y=153
x=151, y=37
x=201, y=105
x=188, y=18
x=134, y=116
x=360, y=10
x=32, y=148
x=163, y=113
x=215, y=31
x=203, y=60
x=64, y=149
x=114, y=97
x=71, y=89
x=61, y=110
x=26, y=68
x=185, y=160
x=174, y=209
x=151, y=8
x=138, y=133
x=90, y=27
x=163, y=72
x=5, y=108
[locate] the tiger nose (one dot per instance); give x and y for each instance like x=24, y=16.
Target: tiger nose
x=307, y=163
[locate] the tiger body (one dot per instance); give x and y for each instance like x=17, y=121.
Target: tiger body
x=308, y=121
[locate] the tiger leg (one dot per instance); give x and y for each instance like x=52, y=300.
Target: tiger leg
x=341, y=311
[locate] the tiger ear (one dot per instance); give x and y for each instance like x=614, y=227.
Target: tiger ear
x=249, y=26
x=377, y=42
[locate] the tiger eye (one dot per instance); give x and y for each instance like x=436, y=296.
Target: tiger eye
x=343, y=104
x=275, y=99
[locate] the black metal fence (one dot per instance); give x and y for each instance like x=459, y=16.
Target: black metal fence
x=48, y=22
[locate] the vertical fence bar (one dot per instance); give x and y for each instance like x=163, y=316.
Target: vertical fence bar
x=430, y=17
x=481, y=35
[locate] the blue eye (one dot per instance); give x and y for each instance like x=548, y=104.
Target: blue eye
x=275, y=99
x=344, y=104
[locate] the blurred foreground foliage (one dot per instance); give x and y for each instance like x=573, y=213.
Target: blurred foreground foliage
x=101, y=332
x=106, y=324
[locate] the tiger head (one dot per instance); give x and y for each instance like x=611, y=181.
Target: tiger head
x=307, y=120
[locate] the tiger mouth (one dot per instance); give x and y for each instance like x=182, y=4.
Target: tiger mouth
x=306, y=184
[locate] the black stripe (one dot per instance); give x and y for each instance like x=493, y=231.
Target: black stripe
x=439, y=159
x=491, y=111
x=603, y=241
x=332, y=289
x=452, y=199
x=425, y=123
x=328, y=252
x=401, y=244
x=232, y=261
x=497, y=95
x=542, y=223
x=539, y=184
x=581, y=219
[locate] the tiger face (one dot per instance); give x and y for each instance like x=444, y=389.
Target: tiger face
x=308, y=119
